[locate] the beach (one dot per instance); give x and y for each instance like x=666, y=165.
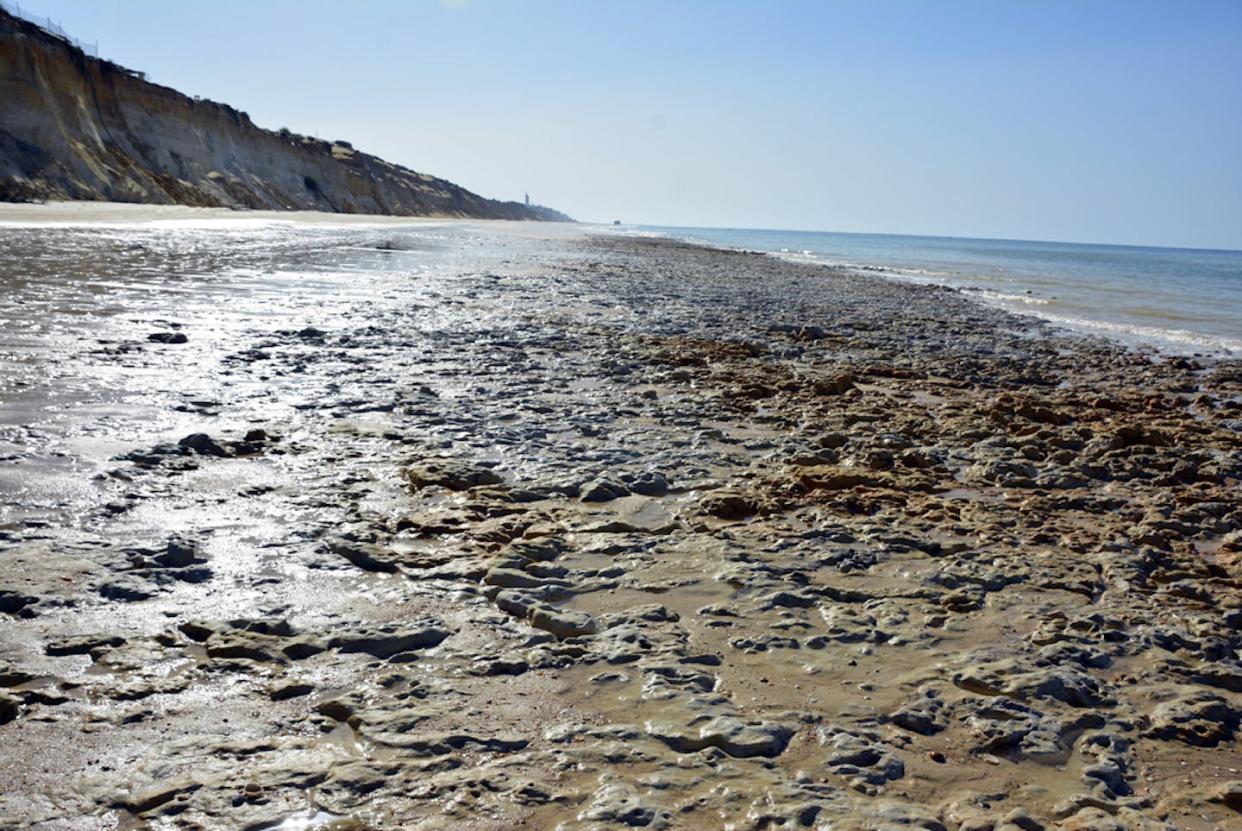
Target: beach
x=1184, y=301
x=359, y=523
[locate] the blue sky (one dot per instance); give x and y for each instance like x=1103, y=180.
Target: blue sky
x=1084, y=120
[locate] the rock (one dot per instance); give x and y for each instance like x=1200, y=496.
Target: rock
x=11, y=677
x=288, y=691
x=167, y=337
x=158, y=796
x=512, y=578
x=301, y=650
x=797, y=599
x=396, y=730
x=179, y=554
x=1069, y=686
x=451, y=474
x=243, y=646
x=490, y=667
x=528, y=793
x=621, y=804
x=648, y=484
x=1196, y=718
x=1229, y=794
x=621, y=644
x=1108, y=775
x=1222, y=673
x=337, y=709
x=126, y=589
x=836, y=479
x=543, y=550
x=728, y=505
x=732, y=735
x=1020, y=820
x=564, y=624
x=646, y=612
x=15, y=603
x=1132, y=435
x=1018, y=679
x=9, y=708
x=515, y=602
x=202, y=444
x=1005, y=725
x=389, y=640
x=924, y=714
x=603, y=490
x=863, y=758
x=835, y=385
x=366, y=556
x=83, y=645
x=195, y=631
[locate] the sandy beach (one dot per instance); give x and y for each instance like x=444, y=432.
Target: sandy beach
x=315, y=521
x=124, y=213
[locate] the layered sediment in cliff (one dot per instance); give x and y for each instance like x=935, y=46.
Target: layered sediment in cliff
x=75, y=127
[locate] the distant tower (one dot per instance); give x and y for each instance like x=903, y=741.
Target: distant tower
x=528, y=200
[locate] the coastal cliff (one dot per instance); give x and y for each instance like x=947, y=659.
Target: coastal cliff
x=76, y=127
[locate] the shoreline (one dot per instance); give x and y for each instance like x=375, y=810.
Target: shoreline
x=494, y=524
x=81, y=212
x=1133, y=334
x=1183, y=343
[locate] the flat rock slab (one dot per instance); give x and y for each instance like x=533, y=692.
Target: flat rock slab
x=734, y=736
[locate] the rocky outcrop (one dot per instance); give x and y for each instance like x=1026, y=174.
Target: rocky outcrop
x=75, y=127
x=546, y=531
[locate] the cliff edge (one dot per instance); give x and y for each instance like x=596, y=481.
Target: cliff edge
x=76, y=127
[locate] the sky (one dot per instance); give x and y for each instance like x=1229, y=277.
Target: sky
x=1079, y=120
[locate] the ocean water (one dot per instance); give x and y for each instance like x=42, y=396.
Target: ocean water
x=1177, y=300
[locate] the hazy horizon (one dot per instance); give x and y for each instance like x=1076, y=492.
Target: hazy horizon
x=1108, y=123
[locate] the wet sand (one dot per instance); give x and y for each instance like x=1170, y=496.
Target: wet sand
x=350, y=524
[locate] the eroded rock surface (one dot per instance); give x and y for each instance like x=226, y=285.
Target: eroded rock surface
x=480, y=529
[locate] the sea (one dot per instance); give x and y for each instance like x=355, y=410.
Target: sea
x=1176, y=300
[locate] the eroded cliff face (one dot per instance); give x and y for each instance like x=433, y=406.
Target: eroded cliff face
x=74, y=127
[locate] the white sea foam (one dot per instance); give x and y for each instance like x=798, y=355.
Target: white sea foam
x=1027, y=299
x=1165, y=339
x=633, y=232
x=1175, y=340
